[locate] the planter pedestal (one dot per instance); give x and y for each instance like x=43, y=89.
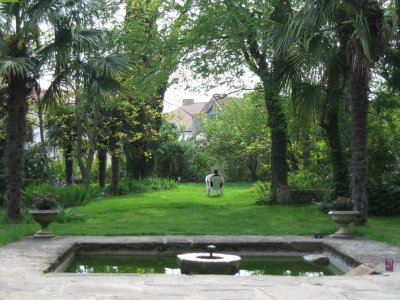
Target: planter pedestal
x=343, y=218
x=44, y=218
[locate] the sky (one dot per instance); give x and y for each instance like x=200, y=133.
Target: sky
x=199, y=90
x=202, y=90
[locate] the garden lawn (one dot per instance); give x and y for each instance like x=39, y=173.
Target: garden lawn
x=188, y=211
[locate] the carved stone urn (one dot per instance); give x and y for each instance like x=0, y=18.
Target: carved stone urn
x=344, y=218
x=44, y=218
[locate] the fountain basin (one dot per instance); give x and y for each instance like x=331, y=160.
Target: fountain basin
x=203, y=263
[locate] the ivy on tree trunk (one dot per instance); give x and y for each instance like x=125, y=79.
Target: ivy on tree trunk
x=277, y=123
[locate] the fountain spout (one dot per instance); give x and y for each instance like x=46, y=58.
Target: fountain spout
x=207, y=263
x=211, y=249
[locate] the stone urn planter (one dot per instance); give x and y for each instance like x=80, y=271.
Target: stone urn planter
x=344, y=218
x=45, y=208
x=44, y=218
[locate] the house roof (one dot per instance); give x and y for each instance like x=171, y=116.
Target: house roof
x=184, y=114
x=218, y=101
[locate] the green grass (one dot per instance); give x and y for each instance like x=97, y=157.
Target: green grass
x=187, y=211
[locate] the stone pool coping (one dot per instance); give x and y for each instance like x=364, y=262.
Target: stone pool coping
x=22, y=276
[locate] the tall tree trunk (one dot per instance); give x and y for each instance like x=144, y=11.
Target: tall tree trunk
x=85, y=166
x=252, y=164
x=43, y=145
x=102, y=155
x=277, y=123
x=69, y=163
x=359, y=139
x=340, y=182
x=330, y=124
x=14, y=151
x=79, y=145
x=115, y=173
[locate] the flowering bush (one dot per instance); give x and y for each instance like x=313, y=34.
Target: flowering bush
x=46, y=201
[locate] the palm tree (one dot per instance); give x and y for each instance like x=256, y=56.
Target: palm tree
x=314, y=68
x=358, y=26
x=20, y=64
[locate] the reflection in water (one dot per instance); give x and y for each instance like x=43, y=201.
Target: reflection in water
x=311, y=274
x=172, y=271
x=250, y=266
x=84, y=269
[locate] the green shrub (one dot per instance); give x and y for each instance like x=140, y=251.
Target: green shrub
x=34, y=165
x=76, y=194
x=157, y=184
x=263, y=189
x=305, y=179
x=147, y=184
x=127, y=185
x=30, y=190
x=69, y=196
x=70, y=215
x=383, y=200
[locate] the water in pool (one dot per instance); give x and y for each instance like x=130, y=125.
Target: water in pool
x=293, y=266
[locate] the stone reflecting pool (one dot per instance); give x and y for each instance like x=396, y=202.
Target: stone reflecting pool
x=250, y=265
x=30, y=269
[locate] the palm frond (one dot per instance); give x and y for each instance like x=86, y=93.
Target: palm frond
x=8, y=8
x=362, y=34
x=86, y=40
x=309, y=101
x=7, y=11
x=59, y=54
x=66, y=42
x=100, y=74
x=289, y=67
x=16, y=67
x=107, y=67
x=52, y=93
x=40, y=9
x=102, y=87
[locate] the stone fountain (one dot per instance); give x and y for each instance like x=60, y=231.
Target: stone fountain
x=208, y=263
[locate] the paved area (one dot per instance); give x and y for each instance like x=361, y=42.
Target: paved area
x=23, y=265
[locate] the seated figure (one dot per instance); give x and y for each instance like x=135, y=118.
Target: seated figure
x=214, y=181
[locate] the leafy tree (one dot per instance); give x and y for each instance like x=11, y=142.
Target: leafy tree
x=232, y=33
x=118, y=126
x=239, y=139
x=140, y=153
x=153, y=40
x=174, y=156
x=96, y=84
x=383, y=144
x=61, y=131
x=389, y=67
